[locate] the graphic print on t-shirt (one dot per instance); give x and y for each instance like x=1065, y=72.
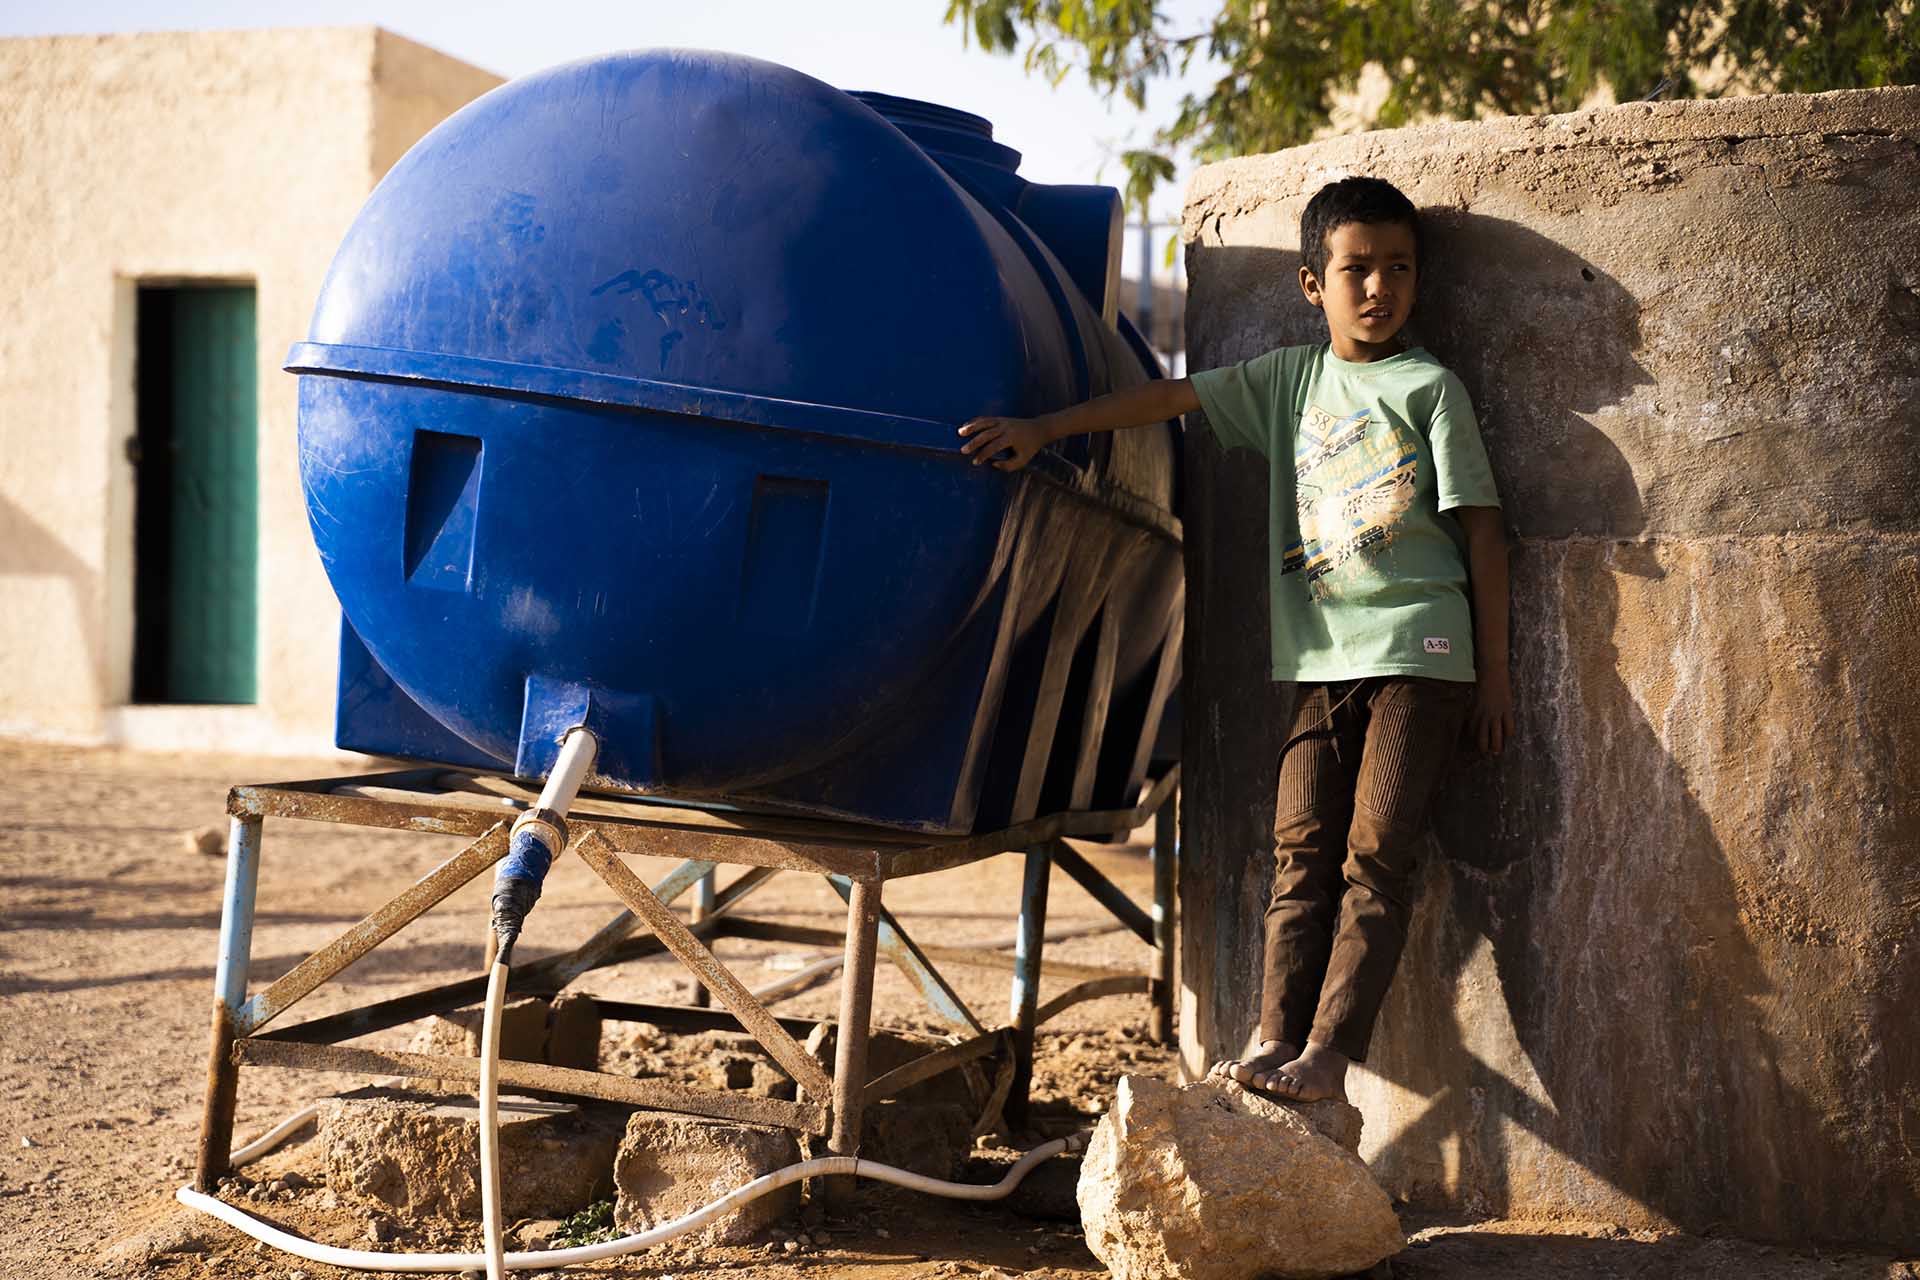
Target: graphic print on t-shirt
x=1354, y=481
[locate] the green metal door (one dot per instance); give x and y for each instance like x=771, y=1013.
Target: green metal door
x=196, y=558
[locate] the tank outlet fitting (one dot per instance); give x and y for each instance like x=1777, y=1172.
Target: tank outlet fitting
x=538, y=837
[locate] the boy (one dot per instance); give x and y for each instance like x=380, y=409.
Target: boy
x=1382, y=516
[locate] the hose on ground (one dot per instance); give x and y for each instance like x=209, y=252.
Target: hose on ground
x=826, y=1166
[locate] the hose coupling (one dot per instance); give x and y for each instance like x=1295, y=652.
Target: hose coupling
x=546, y=825
x=538, y=837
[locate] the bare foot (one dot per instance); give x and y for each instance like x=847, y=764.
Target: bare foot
x=1319, y=1072
x=1261, y=1072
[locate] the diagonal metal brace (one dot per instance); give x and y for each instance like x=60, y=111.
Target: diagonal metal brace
x=363, y=937
x=1104, y=891
x=561, y=970
x=606, y=862
x=912, y=961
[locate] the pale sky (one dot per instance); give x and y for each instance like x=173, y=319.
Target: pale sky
x=1067, y=134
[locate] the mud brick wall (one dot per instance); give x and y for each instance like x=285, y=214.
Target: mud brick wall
x=1666, y=967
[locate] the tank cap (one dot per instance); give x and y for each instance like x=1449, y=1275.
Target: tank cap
x=942, y=130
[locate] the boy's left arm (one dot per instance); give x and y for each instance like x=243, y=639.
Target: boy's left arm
x=1487, y=578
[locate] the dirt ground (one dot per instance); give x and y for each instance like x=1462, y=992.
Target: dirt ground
x=106, y=964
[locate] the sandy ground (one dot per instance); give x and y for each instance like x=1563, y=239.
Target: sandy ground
x=106, y=966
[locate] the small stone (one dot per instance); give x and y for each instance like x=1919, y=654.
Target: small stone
x=25, y=1141
x=790, y=1246
x=538, y=1234
x=296, y=1275
x=883, y=1233
x=379, y=1230
x=208, y=841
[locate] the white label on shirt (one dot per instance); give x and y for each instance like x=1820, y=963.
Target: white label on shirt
x=1439, y=644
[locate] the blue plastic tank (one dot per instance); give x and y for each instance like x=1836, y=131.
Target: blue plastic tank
x=630, y=398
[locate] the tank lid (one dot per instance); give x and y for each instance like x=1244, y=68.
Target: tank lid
x=942, y=130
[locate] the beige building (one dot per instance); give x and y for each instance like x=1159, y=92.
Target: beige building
x=171, y=205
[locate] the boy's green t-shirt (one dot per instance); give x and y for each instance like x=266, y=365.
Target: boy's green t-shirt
x=1369, y=577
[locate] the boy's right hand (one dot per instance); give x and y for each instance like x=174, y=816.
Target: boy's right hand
x=1020, y=438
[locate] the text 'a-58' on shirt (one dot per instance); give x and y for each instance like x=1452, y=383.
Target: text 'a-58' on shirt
x=1367, y=576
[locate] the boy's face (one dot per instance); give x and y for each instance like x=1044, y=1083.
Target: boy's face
x=1368, y=291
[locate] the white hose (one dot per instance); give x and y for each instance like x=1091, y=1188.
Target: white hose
x=492, y=1233
x=274, y=1136
x=827, y=1166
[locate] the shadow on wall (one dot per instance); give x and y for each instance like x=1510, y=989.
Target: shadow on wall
x=1583, y=858
x=1578, y=966
x=30, y=550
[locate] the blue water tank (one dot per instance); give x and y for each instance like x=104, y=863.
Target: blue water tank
x=631, y=398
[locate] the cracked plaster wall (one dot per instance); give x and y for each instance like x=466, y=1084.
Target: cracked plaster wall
x=1665, y=968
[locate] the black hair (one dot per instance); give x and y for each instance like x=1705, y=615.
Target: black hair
x=1369, y=200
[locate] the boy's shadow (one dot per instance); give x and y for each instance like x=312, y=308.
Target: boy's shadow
x=1574, y=1024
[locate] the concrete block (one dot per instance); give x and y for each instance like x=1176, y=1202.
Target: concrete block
x=573, y=1031
x=669, y=1165
x=930, y=1138
x=564, y=1032
x=523, y=1031
x=420, y=1153
x=1211, y=1182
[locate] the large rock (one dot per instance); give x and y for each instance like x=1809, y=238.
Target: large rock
x=1667, y=957
x=420, y=1154
x=1210, y=1182
x=669, y=1165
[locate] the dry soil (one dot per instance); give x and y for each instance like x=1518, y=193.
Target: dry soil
x=106, y=964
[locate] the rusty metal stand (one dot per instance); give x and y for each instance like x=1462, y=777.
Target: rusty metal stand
x=856, y=861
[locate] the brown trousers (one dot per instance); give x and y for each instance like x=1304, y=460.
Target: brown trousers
x=1357, y=780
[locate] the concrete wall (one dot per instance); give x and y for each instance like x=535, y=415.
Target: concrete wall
x=228, y=156
x=1666, y=967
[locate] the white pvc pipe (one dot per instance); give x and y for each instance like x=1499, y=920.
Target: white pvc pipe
x=492, y=1233
x=274, y=1136
x=827, y=1166
x=569, y=771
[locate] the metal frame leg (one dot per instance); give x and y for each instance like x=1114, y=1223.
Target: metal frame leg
x=856, y=1013
x=1166, y=836
x=229, y=994
x=703, y=898
x=1025, y=999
